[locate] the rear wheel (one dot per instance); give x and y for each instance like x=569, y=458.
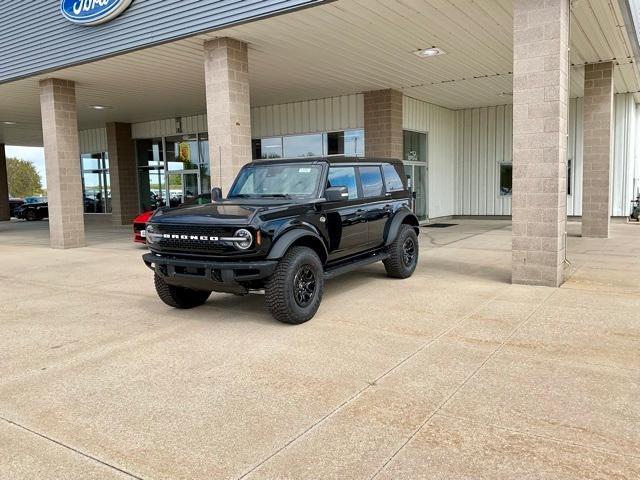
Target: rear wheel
x=179, y=297
x=294, y=291
x=403, y=253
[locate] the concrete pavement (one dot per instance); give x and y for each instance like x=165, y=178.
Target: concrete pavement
x=453, y=373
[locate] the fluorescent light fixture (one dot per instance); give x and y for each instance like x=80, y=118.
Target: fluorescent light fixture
x=7, y=122
x=100, y=107
x=429, y=52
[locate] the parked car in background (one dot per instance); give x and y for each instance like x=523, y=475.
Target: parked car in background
x=34, y=208
x=140, y=222
x=14, y=204
x=35, y=199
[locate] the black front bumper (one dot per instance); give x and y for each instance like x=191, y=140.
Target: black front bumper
x=229, y=277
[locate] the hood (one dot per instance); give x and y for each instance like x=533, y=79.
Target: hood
x=143, y=217
x=225, y=212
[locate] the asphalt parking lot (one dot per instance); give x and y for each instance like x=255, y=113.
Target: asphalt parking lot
x=453, y=373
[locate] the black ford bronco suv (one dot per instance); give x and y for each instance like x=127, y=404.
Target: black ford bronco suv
x=285, y=227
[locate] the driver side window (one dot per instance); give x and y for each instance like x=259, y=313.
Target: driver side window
x=344, y=177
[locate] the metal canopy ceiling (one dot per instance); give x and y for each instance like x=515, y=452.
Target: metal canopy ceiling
x=338, y=48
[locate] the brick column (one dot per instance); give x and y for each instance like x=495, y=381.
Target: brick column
x=62, y=154
x=540, y=111
x=5, y=209
x=598, y=149
x=383, y=124
x=122, y=170
x=226, y=68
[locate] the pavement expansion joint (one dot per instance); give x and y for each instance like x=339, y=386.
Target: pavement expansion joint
x=72, y=449
x=374, y=382
x=461, y=386
x=535, y=435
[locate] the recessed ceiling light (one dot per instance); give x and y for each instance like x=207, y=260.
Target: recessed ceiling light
x=9, y=123
x=429, y=52
x=100, y=107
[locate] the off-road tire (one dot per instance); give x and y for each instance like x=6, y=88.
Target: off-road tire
x=279, y=292
x=179, y=297
x=395, y=265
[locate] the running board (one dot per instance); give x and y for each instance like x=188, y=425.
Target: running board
x=355, y=264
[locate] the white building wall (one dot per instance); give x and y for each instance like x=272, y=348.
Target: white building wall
x=440, y=125
x=624, y=155
x=465, y=147
x=484, y=140
x=311, y=116
x=93, y=141
x=574, y=153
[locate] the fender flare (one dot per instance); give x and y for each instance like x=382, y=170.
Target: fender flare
x=394, y=226
x=288, y=238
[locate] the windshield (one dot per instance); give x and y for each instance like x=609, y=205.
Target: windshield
x=291, y=180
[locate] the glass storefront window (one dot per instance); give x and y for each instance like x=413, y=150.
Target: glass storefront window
x=414, y=146
x=267, y=148
x=96, y=183
x=354, y=143
x=205, y=174
x=151, y=178
x=347, y=142
x=297, y=146
x=172, y=170
x=506, y=171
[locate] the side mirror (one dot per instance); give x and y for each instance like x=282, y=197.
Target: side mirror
x=336, y=194
x=216, y=194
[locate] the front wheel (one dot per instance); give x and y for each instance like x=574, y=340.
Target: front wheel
x=179, y=297
x=403, y=253
x=294, y=291
x=31, y=216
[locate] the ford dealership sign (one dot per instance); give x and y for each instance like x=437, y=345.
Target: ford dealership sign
x=92, y=12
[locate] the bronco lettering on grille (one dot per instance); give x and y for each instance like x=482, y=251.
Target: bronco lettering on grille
x=202, y=238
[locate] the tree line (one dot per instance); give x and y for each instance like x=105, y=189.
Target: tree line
x=23, y=178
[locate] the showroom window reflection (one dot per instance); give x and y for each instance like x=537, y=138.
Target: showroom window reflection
x=96, y=183
x=343, y=142
x=172, y=169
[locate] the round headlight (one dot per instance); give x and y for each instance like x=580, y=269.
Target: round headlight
x=150, y=233
x=246, y=234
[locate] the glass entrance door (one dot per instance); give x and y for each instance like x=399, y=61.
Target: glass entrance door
x=414, y=146
x=182, y=185
x=417, y=173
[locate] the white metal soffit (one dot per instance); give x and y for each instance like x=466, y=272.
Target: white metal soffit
x=343, y=47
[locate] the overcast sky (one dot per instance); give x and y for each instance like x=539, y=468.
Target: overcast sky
x=33, y=154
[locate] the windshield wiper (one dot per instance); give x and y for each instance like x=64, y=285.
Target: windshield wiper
x=276, y=195
x=241, y=195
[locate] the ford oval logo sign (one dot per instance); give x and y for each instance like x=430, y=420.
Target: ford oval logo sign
x=92, y=12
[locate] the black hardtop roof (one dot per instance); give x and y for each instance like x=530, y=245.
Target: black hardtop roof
x=329, y=160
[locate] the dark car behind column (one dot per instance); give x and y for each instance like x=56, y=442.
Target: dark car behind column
x=14, y=204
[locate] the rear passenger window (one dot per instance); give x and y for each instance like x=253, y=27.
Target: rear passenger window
x=392, y=180
x=371, y=180
x=344, y=177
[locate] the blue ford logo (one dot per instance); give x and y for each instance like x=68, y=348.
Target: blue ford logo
x=92, y=12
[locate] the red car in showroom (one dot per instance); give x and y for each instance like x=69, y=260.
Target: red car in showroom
x=140, y=222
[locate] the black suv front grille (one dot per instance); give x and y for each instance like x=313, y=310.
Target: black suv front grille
x=192, y=245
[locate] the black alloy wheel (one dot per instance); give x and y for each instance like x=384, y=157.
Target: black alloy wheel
x=304, y=285
x=408, y=252
x=403, y=253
